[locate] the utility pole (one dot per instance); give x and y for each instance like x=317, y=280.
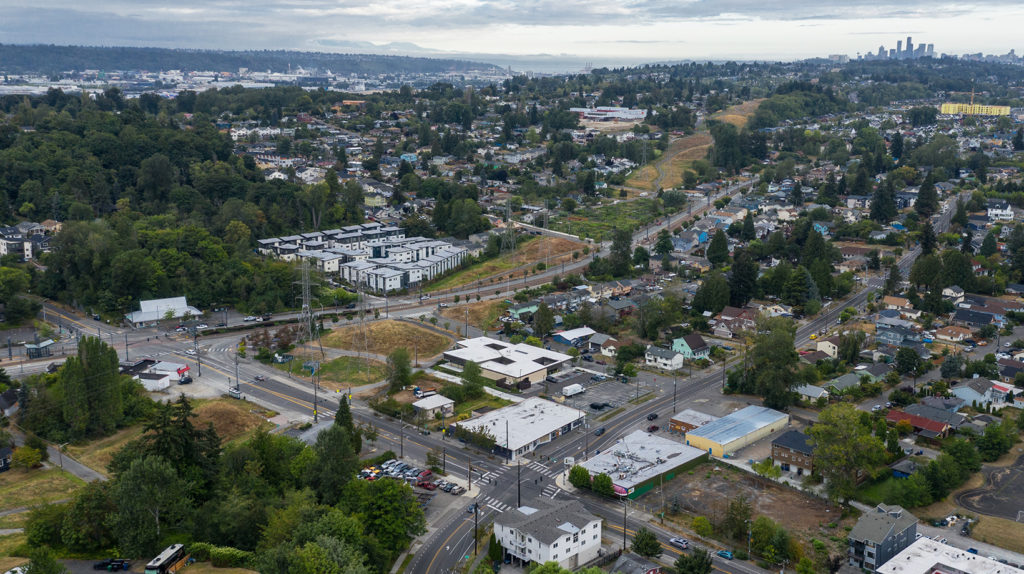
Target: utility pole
x=444, y=459
x=476, y=526
x=673, y=393
x=519, y=484
x=401, y=433
x=125, y=345
x=469, y=476
x=623, y=524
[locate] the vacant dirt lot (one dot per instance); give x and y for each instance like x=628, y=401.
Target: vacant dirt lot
x=553, y=250
x=21, y=487
x=667, y=171
x=382, y=337
x=1002, y=495
x=709, y=489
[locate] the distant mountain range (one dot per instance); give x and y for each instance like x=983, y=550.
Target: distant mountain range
x=50, y=59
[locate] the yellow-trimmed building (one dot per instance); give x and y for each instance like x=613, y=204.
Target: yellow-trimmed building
x=734, y=431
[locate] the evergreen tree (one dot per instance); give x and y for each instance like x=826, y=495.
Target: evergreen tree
x=343, y=418
x=663, y=246
x=828, y=194
x=742, y=279
x=988, y=245
x=749, y=232
x=896, y=146
x=718, y=249
x=927, y=199
x=883, y=202
x=960, y=215
x=645, y=543
x=336, y=464
x=892, y=282
x=967, y=243
x=796, y=196
x=713, y=294
x=543, y=320
x=1018, y=140
x=927, y=238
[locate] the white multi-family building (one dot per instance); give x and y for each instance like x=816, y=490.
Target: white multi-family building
x=548, y=531
x=377, y=257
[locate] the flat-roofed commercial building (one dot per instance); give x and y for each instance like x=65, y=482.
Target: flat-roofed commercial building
x=641, y=460
x=520, y=428
x=509, y=365
x=737, y=430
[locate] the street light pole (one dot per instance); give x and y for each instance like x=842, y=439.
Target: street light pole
x=519, y=484
x=673, y=393
x=623, y=524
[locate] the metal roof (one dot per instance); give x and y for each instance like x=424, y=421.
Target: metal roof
x=738, y=424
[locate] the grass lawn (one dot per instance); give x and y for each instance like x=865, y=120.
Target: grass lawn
x=530, y=250
x=207, y=568
x=738, y=115
x=21, y=487
x=350, y=371
x=482, y=314
x=875, y=492
x=1000, y=532
x=599, y=223
x=382, y=337
x=484, y=401
x=233, y=420
x=13, y=520
x=7, y=545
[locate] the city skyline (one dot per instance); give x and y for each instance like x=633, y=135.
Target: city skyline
x=608, y=33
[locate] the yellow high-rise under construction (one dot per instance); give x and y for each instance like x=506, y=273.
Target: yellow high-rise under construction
x=974, y=110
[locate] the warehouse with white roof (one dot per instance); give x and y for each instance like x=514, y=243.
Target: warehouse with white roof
x=520, y=428
x=734, y=431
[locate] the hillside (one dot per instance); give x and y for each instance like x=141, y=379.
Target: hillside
x=49, y=59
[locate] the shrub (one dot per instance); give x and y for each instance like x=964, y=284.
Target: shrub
x=227, y=557
x=200, y=551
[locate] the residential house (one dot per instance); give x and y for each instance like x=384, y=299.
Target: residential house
x=974, y=392
x=434, y=404
x=811, y=393
x=903, y=468
x=1008, y=369
x=6, y=455
x=596, y=343
x=953, y=293
x=951, y=404
x=897, y=303
x=733, y=320
x=563, y=532
x=829, y=346
x=874, y=371
x=619, y=307
x=879, y=535
x=663, y=358
x=844, y=382
x=691, y=347
x=999, y=210
x=924, y=427
x=896, y=336
x=633, y=564
x=952, y=333
x=953, y=419
x=792, y=451
x=973, y=319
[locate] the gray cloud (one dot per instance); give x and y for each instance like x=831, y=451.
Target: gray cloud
x=400, y=24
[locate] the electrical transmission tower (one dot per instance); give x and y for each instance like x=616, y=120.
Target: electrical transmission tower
x=308, y=332
x=508, y=237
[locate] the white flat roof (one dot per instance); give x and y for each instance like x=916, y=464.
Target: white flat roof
x=577, y=333
x=532, y=419
x=517, y=361
x=927, y=556
x=433, y=402
x=639, y=457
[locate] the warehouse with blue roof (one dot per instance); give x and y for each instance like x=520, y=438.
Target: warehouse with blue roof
x=732, y=432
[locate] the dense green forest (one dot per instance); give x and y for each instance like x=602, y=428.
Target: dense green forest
x=50, y=59
x=270, y=503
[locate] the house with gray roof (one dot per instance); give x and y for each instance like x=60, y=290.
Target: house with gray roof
x=879, y=535
x=663, y=358
x=940, y=415
x=541, y=531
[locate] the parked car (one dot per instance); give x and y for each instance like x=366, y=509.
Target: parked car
x=588, y=358
x=653, y=428
x=249, y=318
x=679, y=543
x=599, y=432
x=725, y=554
x=597, y=406
x=652, y=416
x=202, y=326
x=426, y=485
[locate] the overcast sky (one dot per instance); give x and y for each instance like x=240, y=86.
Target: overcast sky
x=653, y=30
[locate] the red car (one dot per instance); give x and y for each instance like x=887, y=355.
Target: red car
x=653, y=428
x=426, y=484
